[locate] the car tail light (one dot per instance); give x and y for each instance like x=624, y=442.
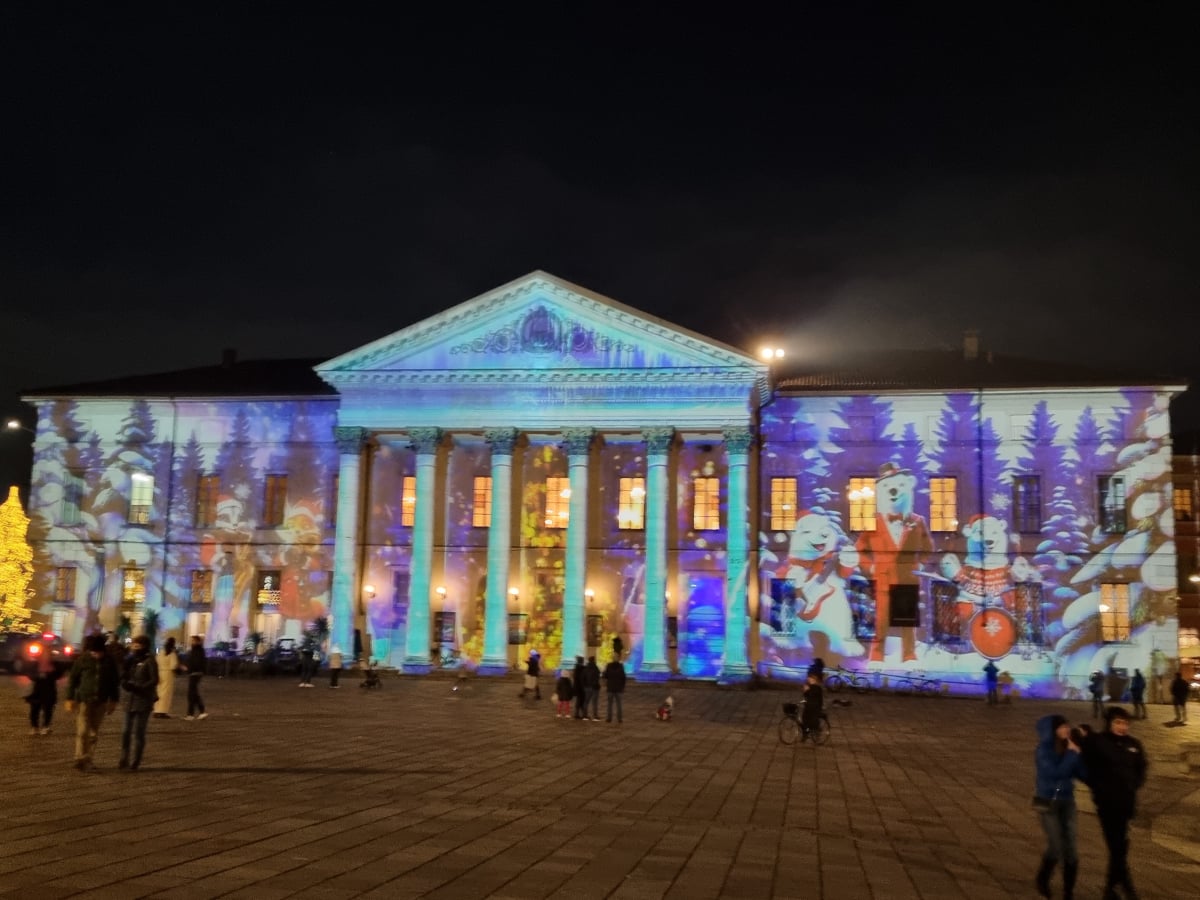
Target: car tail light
x=68, y=650
x=47, y=636
x=35, y=649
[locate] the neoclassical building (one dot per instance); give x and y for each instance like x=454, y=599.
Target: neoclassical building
x=543, y=468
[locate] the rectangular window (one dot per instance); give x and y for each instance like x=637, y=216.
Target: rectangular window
x=332, y=506
x=1114, y=612
x=517, y=628
x=905, y=606
x=631, y=504
x=64, y=585
x=72, y=499
x=202, y=587
x=783, y=504
x=208, y=487
x=400, y=584
x=1184, y=511
x=133, y=586
x=481, y=502
x=408, y=502
x=558, y=502
x=943, y=504
x=1027, y=504
x=267, y=594
x=274, y=500
x=141, y=498
x=861, y=494
x=1029, y=613
x=1111, y=491
x=706, y=504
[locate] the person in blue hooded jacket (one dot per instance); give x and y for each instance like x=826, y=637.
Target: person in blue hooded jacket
x=1059, y=763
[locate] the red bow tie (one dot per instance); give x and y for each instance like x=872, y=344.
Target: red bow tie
x=895, y=517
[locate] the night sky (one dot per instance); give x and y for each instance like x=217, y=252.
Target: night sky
x=193, y=177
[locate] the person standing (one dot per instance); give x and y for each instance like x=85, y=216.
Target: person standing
x=93, y=689
x=814, y=705
x=140, y=682
x=1058, y=762
x=44, y=694
x=196, y=666
x=1116, y=770
x=614, y=678
x=306, y=665
x=335, y=665
x=618, y=646
x=533, y=668
x=591, y=681
x=1096, y=685
x=1137, y=693
x=168, y=662
x=562, y=693
x=992, y=677
x=579, y=688
x=1179, y=696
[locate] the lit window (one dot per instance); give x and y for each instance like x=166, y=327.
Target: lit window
x=408, y=502
x=481, y=509
x=274, y=500
x=141, y=498
x=783, y=504
x=631, y=505
x=207, y=489
x=1027, y=504
x=943, y=504
x=72, y=499
x=268, y=589
x=1111, y=490
x=1114, y=612
x=706, y=508
x=64, y=585
x=1184, y=511
x=558, y=502
x=133, y=586
x=861, y=494
x=202, y=584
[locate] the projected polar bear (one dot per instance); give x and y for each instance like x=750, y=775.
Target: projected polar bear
x=819, y=561
x=987, y=577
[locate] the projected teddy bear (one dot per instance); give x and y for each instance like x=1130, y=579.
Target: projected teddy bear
x=894, y=552
x=819, y=561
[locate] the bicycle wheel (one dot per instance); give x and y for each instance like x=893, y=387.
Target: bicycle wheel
x=824, y=730
x=861, y=684
x=789, y=730
x=834, y=683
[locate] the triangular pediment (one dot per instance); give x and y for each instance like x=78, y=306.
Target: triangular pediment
x=536, y=324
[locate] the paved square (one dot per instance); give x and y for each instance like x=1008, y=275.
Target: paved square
x=416, y=790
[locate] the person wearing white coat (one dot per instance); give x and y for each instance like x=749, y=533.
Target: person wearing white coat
x=168, y=662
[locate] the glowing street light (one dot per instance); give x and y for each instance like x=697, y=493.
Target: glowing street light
x=770, y=354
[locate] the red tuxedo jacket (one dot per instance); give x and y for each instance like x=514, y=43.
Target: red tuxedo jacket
x=890, y=562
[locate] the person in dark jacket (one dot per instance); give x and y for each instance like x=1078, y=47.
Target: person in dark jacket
x=1058, y=762
x=562, y=693
x=591, y=683
x=1116, y=769
x=1179, y=696
x=140, y=682
x=618, y=646
x=614, y=678
x=197, y=665
x=1137, y=693
x=533, y=668
x=44, y=694
x=579, y=688
x=1096, y=686
x=814, y=705
x=93, y=688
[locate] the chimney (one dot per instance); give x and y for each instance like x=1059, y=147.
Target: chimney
x=971, y=344
x=228, y=357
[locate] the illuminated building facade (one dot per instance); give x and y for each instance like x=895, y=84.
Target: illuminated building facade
x=544, y=468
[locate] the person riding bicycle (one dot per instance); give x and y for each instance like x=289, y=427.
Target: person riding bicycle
x=814, y=705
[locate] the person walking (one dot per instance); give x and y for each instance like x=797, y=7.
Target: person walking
x=168, y=662
x=1137, y=693
x=335, y=665
x=1096, y=686
x=1115, y=763
x=1057, y=763
x=533, y=668
x=1179, y=696
x=197, y=665
x=992, y=678
x=306, y=665
x=614, y=678
x=140, y=682
x=591, y=682
x=579, y=688
x=44, y=694
x=93, y=689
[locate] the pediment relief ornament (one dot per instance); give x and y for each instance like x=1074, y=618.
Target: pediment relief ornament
x=543, y=332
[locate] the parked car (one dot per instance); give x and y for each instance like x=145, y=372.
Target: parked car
x=286, y=655
x=21, y=652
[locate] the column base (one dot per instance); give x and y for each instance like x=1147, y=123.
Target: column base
x=492, y=668
x=416, y=666
x=735, y=673
x=652, y=671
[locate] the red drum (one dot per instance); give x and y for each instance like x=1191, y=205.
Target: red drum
x=965, y=609
x=993, y=632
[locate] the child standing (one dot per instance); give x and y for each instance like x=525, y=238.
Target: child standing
x=562, y=692
x=44, y=695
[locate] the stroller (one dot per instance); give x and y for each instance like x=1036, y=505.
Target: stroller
x=371, y=679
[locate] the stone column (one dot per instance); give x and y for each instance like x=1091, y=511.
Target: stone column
x=418, y=635
x=658, y=506
x=345, y=591
x=495, y=620
x=574, y=621
x=736, y=667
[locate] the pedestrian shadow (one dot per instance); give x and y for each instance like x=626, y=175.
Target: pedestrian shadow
x=1174, y=724
x=284, y=770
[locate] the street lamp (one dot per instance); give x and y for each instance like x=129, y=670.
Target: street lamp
x=15, y=425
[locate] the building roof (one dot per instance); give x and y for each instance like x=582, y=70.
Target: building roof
x=232, y=378
x=950, y=370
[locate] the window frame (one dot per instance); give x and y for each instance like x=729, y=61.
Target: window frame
x=1112, y=519
x=65, y=581
x=631, y=506
x=408, y=501
x=274, y=500
x=858, y=518
x=205, y=577
x=481, y=501
x=141, y=498
x=70, y=510
x=1116, y=624
x=1185, y=511
x=273, y=594
x=557, y=515
x=208, y=493
x=937, y=508
x=784, y=494
x=135, y=594
x=1022, y=509
x=706, y=503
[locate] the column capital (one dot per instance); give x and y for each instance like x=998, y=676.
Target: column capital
x=349, y=439
x=501, y=440
x=425, y=440
x=578, y=440
x=658, y=438
x=738, y=438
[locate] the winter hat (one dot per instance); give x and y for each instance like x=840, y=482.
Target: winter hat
x=1056, y=721
x=1116, y=712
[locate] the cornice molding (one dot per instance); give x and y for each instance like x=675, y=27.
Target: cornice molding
x=540, y=376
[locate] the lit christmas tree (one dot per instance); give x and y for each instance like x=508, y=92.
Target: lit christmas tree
x=16, y=563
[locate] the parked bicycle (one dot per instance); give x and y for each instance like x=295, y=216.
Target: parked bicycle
x=790, y=728
x=858, y=682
